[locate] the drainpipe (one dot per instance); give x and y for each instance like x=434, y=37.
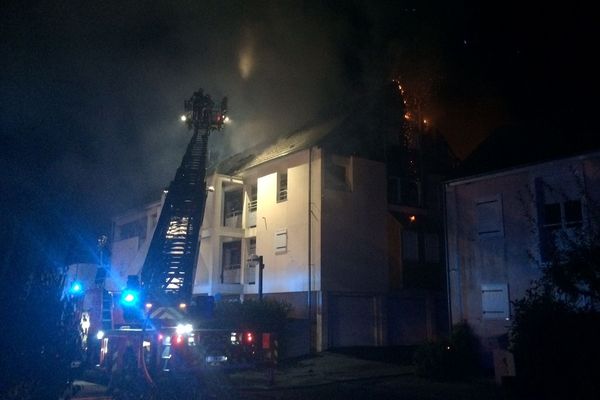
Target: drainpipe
x=309, y=299
x=447, y=256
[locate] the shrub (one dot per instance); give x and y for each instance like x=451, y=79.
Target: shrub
x=259, y=316
x=42, y=337
x=431, y=360
x=453, y=359
x=555, y=346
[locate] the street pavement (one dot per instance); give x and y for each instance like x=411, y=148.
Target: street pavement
x=85, y=390
x=322, y=369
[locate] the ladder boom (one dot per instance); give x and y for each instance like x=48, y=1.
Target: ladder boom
x=169, y=269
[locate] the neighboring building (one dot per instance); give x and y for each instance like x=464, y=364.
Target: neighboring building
x=131, y=235
x=502, y=227
x=346, y=215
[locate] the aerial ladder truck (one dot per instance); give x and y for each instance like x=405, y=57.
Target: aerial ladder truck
x=167, y=275
x=168, y=272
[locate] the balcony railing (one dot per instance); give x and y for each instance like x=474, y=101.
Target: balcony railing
x=251, y=218
x=233, y=219
x=252, y=205
x=283, y=194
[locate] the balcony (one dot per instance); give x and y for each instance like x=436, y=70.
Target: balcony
x=233, y=219
x=251, y=219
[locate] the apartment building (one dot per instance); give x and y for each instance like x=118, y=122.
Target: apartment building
x=347, y=222
x=503, y=226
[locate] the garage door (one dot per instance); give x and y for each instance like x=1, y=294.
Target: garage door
x=352, y=321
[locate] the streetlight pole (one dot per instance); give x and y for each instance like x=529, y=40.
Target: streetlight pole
x=258, y=260
x=261, y=266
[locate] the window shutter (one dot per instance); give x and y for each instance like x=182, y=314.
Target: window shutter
x=281, y=241
x=494, y=301
x=489, y=217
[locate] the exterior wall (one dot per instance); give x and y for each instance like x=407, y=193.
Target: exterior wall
x=510, y=257
x=354, y=236
x=213, y=234
x=348, y=238
x=129, y=252
x=347, y=256
x=354, y=277
x=286, y=271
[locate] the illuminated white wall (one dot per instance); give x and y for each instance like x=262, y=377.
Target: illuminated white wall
x=285, y=271
x=128, y=255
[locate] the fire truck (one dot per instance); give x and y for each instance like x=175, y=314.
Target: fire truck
x=173, y=343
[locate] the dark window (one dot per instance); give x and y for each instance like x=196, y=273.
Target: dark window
x=403, y=191
x=335, y=177
x=338, y=172
x=573, y=214
x=133, y=229
x=252, y=196
x=410, y=192
x=282, y=189
x=251, y=266
x=560, y=221
x=231, y=262
x=233, y=208
x=552, y=216
x=232, y=255
x=251, y=246
x=563, y=215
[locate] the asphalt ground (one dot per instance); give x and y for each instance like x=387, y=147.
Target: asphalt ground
x=324, y=368
x=326, y=375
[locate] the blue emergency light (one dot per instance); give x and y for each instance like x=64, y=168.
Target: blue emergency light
x=130, y=297
x=76, y=288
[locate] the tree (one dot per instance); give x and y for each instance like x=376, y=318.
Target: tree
x=554, y=329
x=40, y=327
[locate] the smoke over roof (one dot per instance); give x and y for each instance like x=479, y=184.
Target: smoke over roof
x=91, y=92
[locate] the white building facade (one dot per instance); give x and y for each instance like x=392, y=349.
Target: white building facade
x=308, y=232
x=346, y=215
x=319, y=222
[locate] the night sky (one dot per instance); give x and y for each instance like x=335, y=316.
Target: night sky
x=91, y=91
